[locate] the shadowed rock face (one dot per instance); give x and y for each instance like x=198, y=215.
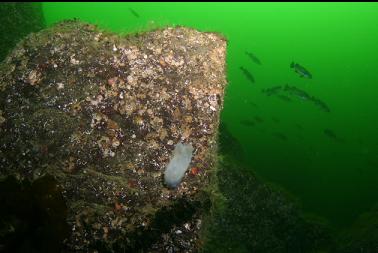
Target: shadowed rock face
x=101, y=114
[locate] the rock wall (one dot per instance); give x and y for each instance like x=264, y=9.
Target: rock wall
x=101, y=114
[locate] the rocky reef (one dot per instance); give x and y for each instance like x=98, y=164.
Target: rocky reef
x=362, y=235
x=100, y=114
x=88, y=124
x=250, y=215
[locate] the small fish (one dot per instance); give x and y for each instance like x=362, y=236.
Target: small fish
x=272, y=90
x=304, y=96
x=248, y=123
x=284, y=98
x=248, y=74
x=297, y=92
x=332, y=135
x=253, y=58
x=323, y=106
x=134, y=13
x=258, y=119
x=280, y=136
x=301, y=70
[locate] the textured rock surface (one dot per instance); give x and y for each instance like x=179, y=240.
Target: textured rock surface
x=101, y=114
x=251, y=215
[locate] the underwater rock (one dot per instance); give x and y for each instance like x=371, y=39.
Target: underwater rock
x=100, y=114
x=229, y=144
x=362, y=235
x=251, y=215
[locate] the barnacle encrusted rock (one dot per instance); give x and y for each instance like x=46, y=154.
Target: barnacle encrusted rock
x=101, y=114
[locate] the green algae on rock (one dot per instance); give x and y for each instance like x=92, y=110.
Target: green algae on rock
x=100, y=113
x=251, y=215
x=18, y=20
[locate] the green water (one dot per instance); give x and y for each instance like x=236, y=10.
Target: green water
x=336, y=42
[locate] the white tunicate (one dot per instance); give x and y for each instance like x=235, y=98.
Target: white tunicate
x=178, y=165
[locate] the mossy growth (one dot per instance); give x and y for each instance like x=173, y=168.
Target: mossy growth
x=362, y=235
x=248, y=215
x=18, y=20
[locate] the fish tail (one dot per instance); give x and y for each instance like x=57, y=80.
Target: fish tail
x=292, y=65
